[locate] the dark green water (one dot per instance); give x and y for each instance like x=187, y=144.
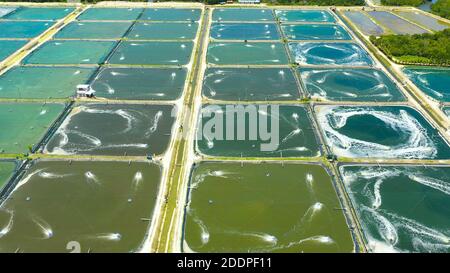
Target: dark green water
x=6, y=171
x=116, y=14
x=242, y=14
x=163, y=31
x=94, y=30
x=18, y=30
x=434, y=81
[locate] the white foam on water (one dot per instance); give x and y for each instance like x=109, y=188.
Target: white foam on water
x=292, y=134
x=44, y=227
x=7, y=228
x=376, y=190
x=107, y=236
x=154, y=126
x=50, y=175
x=137, y=179
x=25, y=180
x=91, y=177
x=434, y=183
x=385, y=228
x=264, y=237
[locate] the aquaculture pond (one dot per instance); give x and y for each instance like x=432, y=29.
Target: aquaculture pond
x=364, y=23
x=266, y=207
x=24, y=124
x=6, y=171
x=380, y=132
x=244, y=31
x=32, y=82
x=140, y=83
x=424, y=20
x=242, y=14
x=433, y=81
x=152, y=53
x=94, y=30
x=247, y=53
x=31, y=13
x=64, y=206
x=171, y=14
x=22, y=30
x=8, y=47
x=350, y=54
x=114, y=14
x=6, y=10
x=401, y=208
x=350, y=84
x=304, y=16
x=163, y=31
x=246, y=84
x=395, y=23
x=315, y=32
x=70, y=52
x=256, y=131
x=114, y=129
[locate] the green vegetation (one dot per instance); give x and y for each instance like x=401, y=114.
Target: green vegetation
x=317, y=2
x=414, y=3
x=442, y=8
x=424, y=49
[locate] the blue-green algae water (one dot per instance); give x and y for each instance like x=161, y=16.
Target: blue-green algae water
x=315, y=32
x=111, y=14
x=364, y=23
x=380, y=132
x=163, y=31
x=94, y=30
x=256, y=131
x=349, y=84
x=330, y=54
x=9, y=47
x=264, y=207
x=395, y=23
x=140, y=83
x=244, y=31
x=24, y=124
x=70, y=52
x=247, y=53
x=23, y=82
x=152, y=53
x=103, y=206
x=433, y=81
x=401, y=208
x=22, y=30
x=171, y=14
x=242, y=14
x=31, y=13
x=247, y=84
x=424, y=20
x=305, y=16
x=6, y=171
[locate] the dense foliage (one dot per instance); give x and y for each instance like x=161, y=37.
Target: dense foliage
x=317, y=2
x=442, y=8
x=414, y=3
x=420, y=48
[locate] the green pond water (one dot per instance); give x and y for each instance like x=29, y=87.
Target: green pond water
x=244, y=84
x=9, y=47
x=96, y=205
x=152, y=53
x=33, y=82
x=364, y=23
x=395, y=23
x=24, y=124
x=247, y=53
x=256, y=131
x=19, y=30
x=344, y=84
x=401, y=208
x=29, y=13
x=424, y=20
x=244, y=31
x=174, y=14
x=6, y=170
x=94, y=30
x=71, y=52
x=140, y=83
x=380, y=132
x=114, y=129
x=434, y=81
x=163, y=31
x=6, y=10
x=305, y=16
x=114, y=14
x=242, y=14
x=263, y=207
x=315, y=32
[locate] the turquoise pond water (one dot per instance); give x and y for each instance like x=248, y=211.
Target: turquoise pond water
x=32, y=82
x=140, y=83
x=163, y=31
x=401, y=208
x=315, y=32
x=6, y=10
x=424, y=20
x=29, y=13
x=364, y=23
x=70, y=52
x=152, y=53
x=242, y=14
x=246, y=84
x=305, y=16
x=244, y=31
x=115, y=14
x=395, y=23
x=380, y=132
x=247, y=53
x=9, y=47
x=28, y=30
x=344, y=84
x=330, y=54
x=94, y=30
x=434, y=82
x=171, y=14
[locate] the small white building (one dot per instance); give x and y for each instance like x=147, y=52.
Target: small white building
x=249, y=1
x=85, y=91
